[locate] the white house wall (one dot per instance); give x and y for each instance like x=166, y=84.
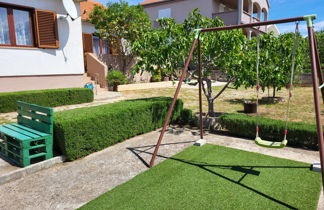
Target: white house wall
x=88, y=28
x=181, y=8
x=66, y=60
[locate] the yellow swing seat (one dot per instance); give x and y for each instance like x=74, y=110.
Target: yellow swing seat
x=270, y=144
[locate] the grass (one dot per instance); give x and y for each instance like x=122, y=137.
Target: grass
x=302, y=104
x=215, y=177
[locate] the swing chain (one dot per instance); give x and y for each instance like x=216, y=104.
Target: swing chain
x=292, y=70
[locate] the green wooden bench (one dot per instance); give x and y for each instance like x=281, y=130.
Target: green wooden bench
x=31, y=139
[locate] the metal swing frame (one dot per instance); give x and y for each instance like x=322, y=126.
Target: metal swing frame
x=317, y=77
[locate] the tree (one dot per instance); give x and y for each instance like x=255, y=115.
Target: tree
x=122, y=25
x=320, y=43
x=167, y=47
x=276, y=60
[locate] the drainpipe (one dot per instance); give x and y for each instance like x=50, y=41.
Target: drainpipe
x=239, y=11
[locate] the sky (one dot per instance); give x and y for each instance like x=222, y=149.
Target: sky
x=284, y=9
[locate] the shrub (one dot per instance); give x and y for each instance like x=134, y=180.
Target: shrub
x=82, y=131
x=299, y=134
x=116, y=78
x=50, y=98
x=186, y=117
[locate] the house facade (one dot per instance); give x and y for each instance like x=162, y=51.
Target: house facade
x=232, y=12
x=40, y=46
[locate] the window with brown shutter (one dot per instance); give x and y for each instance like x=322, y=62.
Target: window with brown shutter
x=46, y=29
x=87, y=43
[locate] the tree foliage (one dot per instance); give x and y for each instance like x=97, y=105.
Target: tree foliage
x=166, y=48
x=121, y=24
x=320, y=43
x=275, y=61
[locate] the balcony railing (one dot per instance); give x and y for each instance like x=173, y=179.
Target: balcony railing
x=247, y=18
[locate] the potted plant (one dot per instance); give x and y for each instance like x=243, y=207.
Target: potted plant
x=250, y=106
x=115, y=78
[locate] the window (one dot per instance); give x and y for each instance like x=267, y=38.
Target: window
x=165, y=13
x=22, y=26
x=16, y=27
x=4, y=27
x=96, y=45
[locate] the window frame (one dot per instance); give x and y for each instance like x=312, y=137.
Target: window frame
x=101, y=46
x=11, y=25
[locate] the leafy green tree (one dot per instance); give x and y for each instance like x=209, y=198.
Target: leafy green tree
x=122, y=25
x=167, y=48
x=320, y=43
x=276, y=60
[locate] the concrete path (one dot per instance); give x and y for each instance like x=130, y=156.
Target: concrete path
x=70, y=185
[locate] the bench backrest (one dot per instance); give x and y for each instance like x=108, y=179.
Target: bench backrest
x=36, y=117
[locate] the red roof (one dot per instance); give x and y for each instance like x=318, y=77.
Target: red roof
x=88, y=5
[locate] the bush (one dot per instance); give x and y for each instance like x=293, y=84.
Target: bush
x=186, y=117
x=80, y=132
x=49, y=98
x=116, y=78
x=299, y=134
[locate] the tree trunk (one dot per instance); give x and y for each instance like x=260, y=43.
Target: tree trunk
x=274, y=92
x=124, y=58
x=211, y=107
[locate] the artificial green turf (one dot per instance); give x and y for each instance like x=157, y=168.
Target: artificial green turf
x=214, y=177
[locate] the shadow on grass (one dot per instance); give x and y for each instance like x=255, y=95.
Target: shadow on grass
x=136, y=150
x=245, y=169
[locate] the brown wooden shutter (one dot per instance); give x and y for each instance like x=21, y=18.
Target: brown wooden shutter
x=46, y=29
x=87, y=43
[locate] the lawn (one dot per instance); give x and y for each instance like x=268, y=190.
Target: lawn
x=215, y=177
x=302, y=104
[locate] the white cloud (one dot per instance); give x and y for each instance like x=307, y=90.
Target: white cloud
x=302, y=27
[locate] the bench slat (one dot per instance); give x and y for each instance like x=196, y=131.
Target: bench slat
x=37, y=155
x=35, y=107
x=46, y=128
x=21, y=131
x=30, y=130
x=44, y=118
x=13, y=133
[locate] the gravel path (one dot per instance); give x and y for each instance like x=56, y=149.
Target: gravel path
x=72, y=184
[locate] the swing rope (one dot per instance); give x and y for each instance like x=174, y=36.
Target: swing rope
x=292, y=71
x=257, y=84
x=258, y=140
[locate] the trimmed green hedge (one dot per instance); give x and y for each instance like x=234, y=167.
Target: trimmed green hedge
x=299, y=134
x=82, y=131
x=49, y=98
x=186, y=117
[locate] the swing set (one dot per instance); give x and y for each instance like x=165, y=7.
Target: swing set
x=317, y=77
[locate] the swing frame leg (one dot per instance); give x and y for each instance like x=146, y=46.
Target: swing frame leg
x=314, y=57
